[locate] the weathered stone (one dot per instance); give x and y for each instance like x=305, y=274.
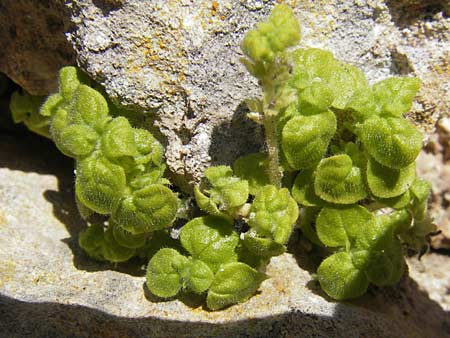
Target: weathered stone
x=179, y=62
x=33, y=44
x=49, y=288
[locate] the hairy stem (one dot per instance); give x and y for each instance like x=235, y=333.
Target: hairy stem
x=275, y=175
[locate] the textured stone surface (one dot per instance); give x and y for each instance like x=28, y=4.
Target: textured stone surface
x=49, y=288
x=33, y=44
x=434, y=165
x=179, y=62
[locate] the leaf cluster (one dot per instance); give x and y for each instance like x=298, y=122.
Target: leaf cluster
x=351, y=152
x=119, y=169
x=226, y=264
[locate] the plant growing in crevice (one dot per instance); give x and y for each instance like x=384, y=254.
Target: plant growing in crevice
x=119, y=169
x=339, y=163
x=351, y=151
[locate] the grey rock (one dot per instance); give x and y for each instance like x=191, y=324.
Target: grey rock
x=49, y=288
x=33, y=44
x=178, y=61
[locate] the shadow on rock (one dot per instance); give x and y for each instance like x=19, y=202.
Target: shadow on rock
x=235, y=138
x=65, y=210
x=406, y=13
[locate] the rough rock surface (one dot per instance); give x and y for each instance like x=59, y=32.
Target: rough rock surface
x=49, y=288
x=434, y=165
x=33, y=44
x=179, y=62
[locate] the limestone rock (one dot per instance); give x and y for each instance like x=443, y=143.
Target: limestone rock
x=179, y=62
x=49, y=288
x=33, y=44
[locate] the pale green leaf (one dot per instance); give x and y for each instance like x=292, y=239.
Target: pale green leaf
x=233, y=283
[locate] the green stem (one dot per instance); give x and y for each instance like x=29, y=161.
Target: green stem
x=275, y=175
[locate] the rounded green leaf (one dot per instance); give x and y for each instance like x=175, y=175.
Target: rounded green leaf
x=153, y=175
x=261, y=246
x=344, y=80
x=233, y=283
x=198, y=276
x=100, y=184
x=77, y=140
x=273, y=213
x=309, y=66
x=317, y=97
x=363, y=105
x=113, y=251
x=395, y=95
x=386, y=267
x=59, y=121
x=338, y=181
x=253, y=169
x=163, y=277
x=305, y=139
x=89, y=107
x=385, y=182
x=345, y=226
x=126, y=238
x=118, y=139
x=340, y=279
x=211, y=240
x=149, y=209
x=303, y=189
x=393, y=142
x=379, y=269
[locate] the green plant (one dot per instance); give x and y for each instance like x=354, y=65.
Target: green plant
x=25, y=108
x=351, y=150
x=339, y=154
x=214, y=258
x=119, y=169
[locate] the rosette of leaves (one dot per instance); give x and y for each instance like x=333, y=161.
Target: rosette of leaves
x=221, y=262
x=210, y=265
x=366, y=251
x=119, y=168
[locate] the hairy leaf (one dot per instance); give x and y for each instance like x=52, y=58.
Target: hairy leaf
x=211, y=240
x=163, y=277
x=303, y=189
x=273, y=213
x=340, y=279
x=253, y=169
x=337, y=180
x=385, y=182
x=345, y=226
x=393, y=142
x=198, y=276
x=149, y=209
x=233, y=283
x=99, y=184
x=395, y=95
x=305, y=139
